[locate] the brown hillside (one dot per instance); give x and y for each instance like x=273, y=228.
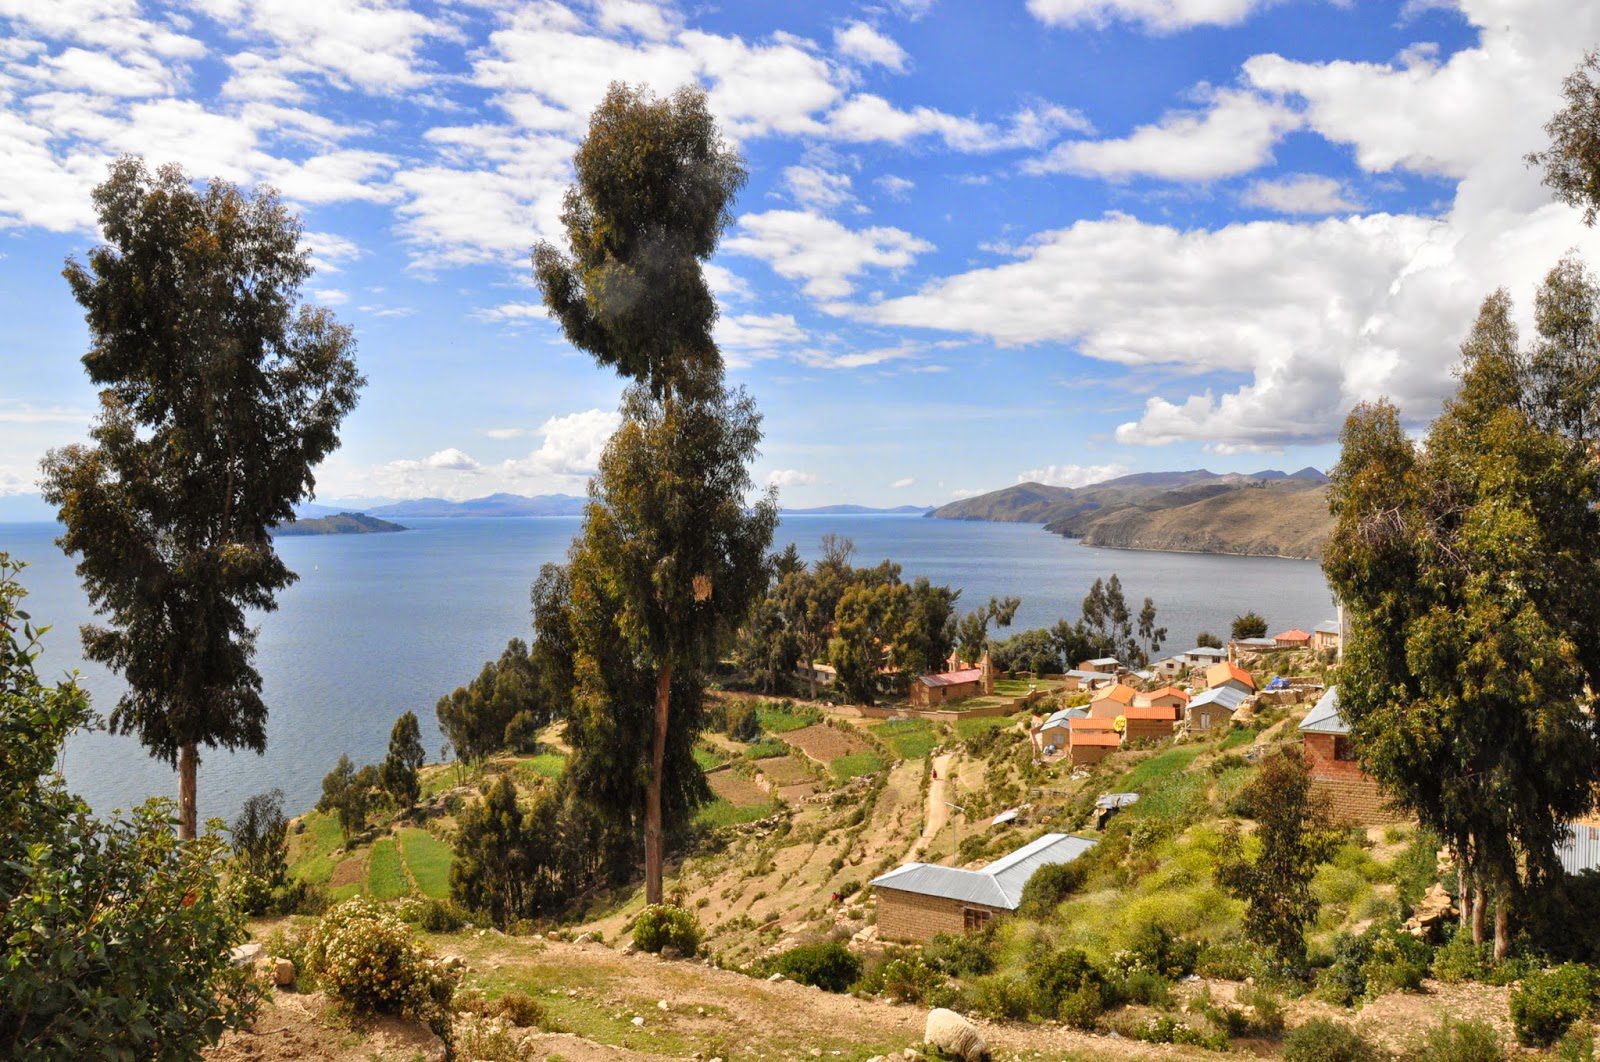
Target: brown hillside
x=1270, y=521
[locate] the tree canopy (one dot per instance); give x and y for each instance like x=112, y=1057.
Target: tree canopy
x=220, y=392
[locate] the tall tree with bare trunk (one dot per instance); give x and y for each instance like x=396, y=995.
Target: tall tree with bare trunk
x=220, y=392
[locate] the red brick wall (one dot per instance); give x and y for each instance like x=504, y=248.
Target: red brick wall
x=913, y=916
x=1147, y=729
x=1085, y=754
x=1354, y=796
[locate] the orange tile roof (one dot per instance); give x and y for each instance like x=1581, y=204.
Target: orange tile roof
x=1104, y=738
x=1293, y=634
x=1121, y=693
x=1150, y=711
x=1090, y=722
x=1217, y=674
x=1168, y=691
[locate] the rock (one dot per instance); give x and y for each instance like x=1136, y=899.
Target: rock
x=629, y=948
x=638, y=1021
x=955, y=1036
x=670, y=954
x=585, y=938
x=775, y=978
x=282, y=973
x=908, y=1053
x=245, y=954
x=1434, y=909
x=661, y=1004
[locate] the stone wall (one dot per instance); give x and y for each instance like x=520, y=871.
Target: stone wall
x=913, y=916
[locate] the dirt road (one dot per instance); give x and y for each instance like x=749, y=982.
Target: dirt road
x=936, y=815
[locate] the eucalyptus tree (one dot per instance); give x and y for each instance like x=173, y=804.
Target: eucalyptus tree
x=1465, y=566
x=670, y=549
x=972, y=634
x=220, y=392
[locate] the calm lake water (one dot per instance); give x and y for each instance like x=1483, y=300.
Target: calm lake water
x=379, y=624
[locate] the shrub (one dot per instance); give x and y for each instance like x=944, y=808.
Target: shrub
x=441, y=916
x=521, y=1010
x=1399, y=963
x=1322, y=1040
x=260, y=853
x=662, y=925
x=829, y=965
x=909, y=979
x=1256, y=1011
x=1461, y=1041
x=972, y=848
x=1547, y=1003
x=1058, y=975
x=1229, y=961
x=367, y=960
x=747, y=727
x=1000, y=996
x=1164, y=1029
x=1157, y=951
x=1050, y=885
x=1147, y=988
x=1459, y=959
x=1081, y=1008
x=1577, y=1045
x=964, y=955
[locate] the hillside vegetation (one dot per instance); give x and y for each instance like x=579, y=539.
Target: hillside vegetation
x=339, y=524
x=1267, y=513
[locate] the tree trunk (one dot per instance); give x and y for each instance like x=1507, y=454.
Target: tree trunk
x=652, y=800
x=1479, y=906
x=1464, y=891
x=1502, y=930
x=188, y=767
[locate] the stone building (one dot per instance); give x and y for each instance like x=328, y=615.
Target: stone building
x=1335, y=774
x=918, y=901
x=955, y=684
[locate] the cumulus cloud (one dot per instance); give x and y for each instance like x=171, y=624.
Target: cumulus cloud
x=818, y=189
x=1299, y=193
x=1234, y=132
x=865, y=118
x=862, y=43
x=903, y=483
x=747, y=337
x=446, y=460
x=893, y=186
x=790, y=477
x=571, y=448
x=1072, y=475
x=505, y=433
x=1160, y=16
x=819, y=251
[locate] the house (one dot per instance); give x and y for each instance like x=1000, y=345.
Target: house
x=956, y=684
x=1109, y=665
x=1169, y=696
x=1580, y=852
x=821, y=674
x=1239, y=646
x=1335, y=772
x=1202, y=656
x=1169, y=667
x=1109, y=703
x=1213, y=708
x=1326, y=637
x=1091, y=740
x=1054, y=734
x=1293, y=638
x=1232, y=675
x=1148, y=722
x=1109, y=804
x=1079, y=679
x=918, y=901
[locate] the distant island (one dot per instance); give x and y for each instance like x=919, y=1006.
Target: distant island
x=339, y=524
x=1267, y=514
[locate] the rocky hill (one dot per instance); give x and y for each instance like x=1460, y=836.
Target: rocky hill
x=339, y=524
x=1268, y=513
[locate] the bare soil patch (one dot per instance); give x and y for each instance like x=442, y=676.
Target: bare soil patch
x=291, y=1025
x=736, y=789
x=825, y=743
x=351, y=871
x=794, y=793
x=784, y=771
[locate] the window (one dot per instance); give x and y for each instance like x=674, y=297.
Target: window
x=1342, y=749
x=1205, y=721
x=972, y=919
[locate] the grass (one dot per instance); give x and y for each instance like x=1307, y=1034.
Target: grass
x=311, y=851
x=776, y=719
x=707, y=759
x=722, y=813
x=386, y=874
x=1236, y=737
x=429, y=860
x=967, y=729
x=544, y=765
x=762, y=750
x=911, y=739
x=855, y=764
x=1156, y=768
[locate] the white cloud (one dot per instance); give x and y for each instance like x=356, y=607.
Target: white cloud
x=912, y=9
x=26, y=413
x=894, y=187
x=505, y=433
x=571, y=448
x=446, y=460
x=329, y=250
x=643, y=17
x=903, y=483
x=1161, y=16
x=1300, y=193
x=513, y=313
x=859, y=41
x=791, y=477
x=801, y=245
x=861, y=359
x=724, y=283
x=746, y=337
x=330, y=296
x=866, y=118
x=1234, y=133
x=818, y=189
x=1072, y=475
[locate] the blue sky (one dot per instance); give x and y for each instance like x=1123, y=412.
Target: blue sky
x=981, y=242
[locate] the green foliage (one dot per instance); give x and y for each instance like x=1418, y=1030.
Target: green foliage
x=1004, y=996
x=1459, y=959
x=1165, y=1029
x=441, y=916
x=1325, y=1040
x=972, y=633
x=747, y=727
x=1461, y=1041
x=1571, y=163
x=1249, y=625
x=1383, y=958
x=1051, y=884
x=662, y=925
x=911, y=739
x=910, y=978
x=428, y=859
x=513, y=863
x=1207, y=640
x=1296, y=835
x=522, y=733
x=367, y=960
x=963, y=954
x=1156, y=951
x=855, y=764
x=1548, y=1002
x=261, y=852
x=475, y=717
x=348, y=793
x=1035, y=651
x=828, y=965
x=386, y=874
x=1067, y=985
x=74, y=941
x=405, y=758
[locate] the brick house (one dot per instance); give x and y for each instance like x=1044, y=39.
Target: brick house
x=1109, y=703
x=1335, y=773
x=1230, y=675
x=1148, y=722
x=1213, y=709
x=1055, y=733
x=1091, y=739
x=918, y=901
x=1326, y=637
x=1078, y=679
x=956, y=684
x=1293, y=638
x=1167, y=697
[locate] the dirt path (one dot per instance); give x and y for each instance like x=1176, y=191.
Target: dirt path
x=936, y=814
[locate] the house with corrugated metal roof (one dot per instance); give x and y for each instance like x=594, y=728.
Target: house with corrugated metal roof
x=1213, y=709
x=1336, y=773
x=1326, y=636
x=918, y=901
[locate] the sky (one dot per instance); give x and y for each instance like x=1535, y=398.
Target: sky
x=982, y=242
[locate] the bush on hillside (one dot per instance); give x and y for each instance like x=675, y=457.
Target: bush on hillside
x=1322, y=1040
x=1461, y=1041
x=441, y=916
x=746, y=727
x=829, y=965
x=1382, y=959
x=1005, y=997
x=662, y=925
x=1050, y=885
x=964, y=954
x=1547, y=1003
x=1067, y=985
x=370, y=962
x=1157, y=951
x=907, y=977
x=1459, y=959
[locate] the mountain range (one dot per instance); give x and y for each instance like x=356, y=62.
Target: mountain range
x=1267, y=513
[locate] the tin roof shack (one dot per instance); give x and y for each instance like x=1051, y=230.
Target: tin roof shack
x=1214, y=709
x=1054, y=734
x=1335, y=774
x=1107, y=806
x=918, y=901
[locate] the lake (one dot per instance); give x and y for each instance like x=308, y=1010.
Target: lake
x=379, y=624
